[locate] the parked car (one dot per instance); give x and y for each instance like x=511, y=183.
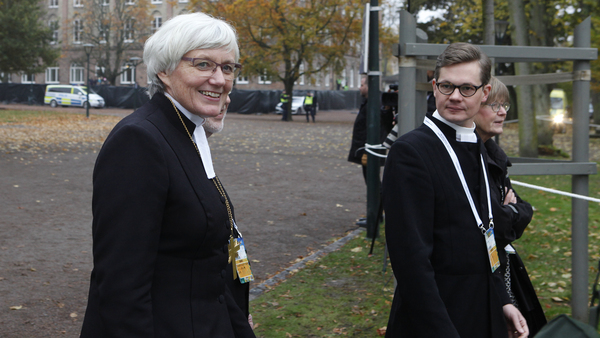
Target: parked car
x=297, y=106
x=68, y=95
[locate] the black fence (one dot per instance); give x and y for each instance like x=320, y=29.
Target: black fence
x=242, y=101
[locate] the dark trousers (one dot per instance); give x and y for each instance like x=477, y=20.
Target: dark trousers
x=310, y=110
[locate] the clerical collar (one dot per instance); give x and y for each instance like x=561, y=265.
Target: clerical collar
x=463, y=134
x=199, y=138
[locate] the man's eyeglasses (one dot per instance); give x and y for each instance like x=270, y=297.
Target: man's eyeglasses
x=465, y=90
x=496, y=106
x=207, y=68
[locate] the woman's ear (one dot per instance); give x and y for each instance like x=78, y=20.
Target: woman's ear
x=164, y=78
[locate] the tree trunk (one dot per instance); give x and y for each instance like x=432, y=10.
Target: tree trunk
x=489, y=32
x=528, y=145
x=541, y=95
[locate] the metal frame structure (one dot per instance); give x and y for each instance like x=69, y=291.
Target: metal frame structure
x=412, y=53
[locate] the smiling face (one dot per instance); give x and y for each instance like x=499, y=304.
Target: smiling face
x=456, y=108
x=202, y=95
x=213, y=125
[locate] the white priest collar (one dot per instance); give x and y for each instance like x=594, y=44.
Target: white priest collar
x=199, y=138
x=463, y=134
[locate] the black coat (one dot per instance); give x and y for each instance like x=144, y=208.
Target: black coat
x=438, y=255
x=517, y=215
x=160, y=232
x=359, y=131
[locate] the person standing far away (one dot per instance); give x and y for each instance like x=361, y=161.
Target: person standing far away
x=309, y=106
x=439, y=223
x=284, y=99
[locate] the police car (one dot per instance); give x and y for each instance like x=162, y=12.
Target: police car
x=68, y=95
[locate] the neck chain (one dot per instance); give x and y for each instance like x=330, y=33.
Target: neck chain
x=216, y=180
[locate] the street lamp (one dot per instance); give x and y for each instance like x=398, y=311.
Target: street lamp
x=88, y=50
x=500, y=27
x=135, y=61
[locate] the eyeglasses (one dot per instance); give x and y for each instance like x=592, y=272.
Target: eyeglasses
x=465, y=90
x=496, y=106
x=207, y=67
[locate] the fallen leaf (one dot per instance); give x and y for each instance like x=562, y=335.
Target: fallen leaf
x=17, y=307
x=557, y=299
x=296, y=235
x=357, y=249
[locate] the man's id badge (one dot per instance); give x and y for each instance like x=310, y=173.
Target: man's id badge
x=490, y=241
x=241, y=263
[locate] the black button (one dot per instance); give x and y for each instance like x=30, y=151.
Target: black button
x=221, y=299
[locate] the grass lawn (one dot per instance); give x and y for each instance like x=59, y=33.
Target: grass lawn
x=347, y=292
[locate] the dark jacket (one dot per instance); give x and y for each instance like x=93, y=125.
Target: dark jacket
x=359, y=132
x=160, y=231
x=517, y=216
x=438, y=254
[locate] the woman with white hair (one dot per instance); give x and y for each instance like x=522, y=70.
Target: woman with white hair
x=169, y=260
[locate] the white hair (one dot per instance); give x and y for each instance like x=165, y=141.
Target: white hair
x=186, y=32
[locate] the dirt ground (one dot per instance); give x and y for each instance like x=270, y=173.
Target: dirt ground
x=292, y=188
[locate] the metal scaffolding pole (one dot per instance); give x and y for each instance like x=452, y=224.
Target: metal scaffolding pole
x=579, y=208
x=407, y=73
x=373, y=123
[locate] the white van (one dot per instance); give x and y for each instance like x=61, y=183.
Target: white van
x=67, y=95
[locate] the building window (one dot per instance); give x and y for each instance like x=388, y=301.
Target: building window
x=54, y=28
x=156, y=23
x=156, y=1
x=130, y=2
x=77, y=3
x=264, y=79
x=317, y=80
x=77, y=30
x=8, y=78
x=242, y=80
x=326, y=82
x=300, y=80
x=77, y=74
x=129, y=32
x=183, y=1
x=351, y=80
x=52, y=75
x=105, y=2
x=103, y=33
x=53, y=4
x=28, y=78
x=128, y=74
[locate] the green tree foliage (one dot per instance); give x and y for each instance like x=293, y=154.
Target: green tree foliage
x=25, y=40
x=287, y=39
x=117, y=31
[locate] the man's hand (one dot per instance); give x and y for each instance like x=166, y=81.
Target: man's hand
x=517, y=325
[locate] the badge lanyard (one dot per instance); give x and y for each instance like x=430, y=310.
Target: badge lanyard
x=489, y=233
x=236, y=246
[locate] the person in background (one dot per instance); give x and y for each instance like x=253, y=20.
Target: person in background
x=309, y=106
x=508, y=207
x=439, y=227
x=357, y=153
x=169, y=259
x=213, y=125
x=284, y=99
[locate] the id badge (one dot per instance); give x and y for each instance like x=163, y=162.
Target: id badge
x=241, y=263
x=490, y=241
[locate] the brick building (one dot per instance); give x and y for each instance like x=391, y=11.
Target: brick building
x=64, y=17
